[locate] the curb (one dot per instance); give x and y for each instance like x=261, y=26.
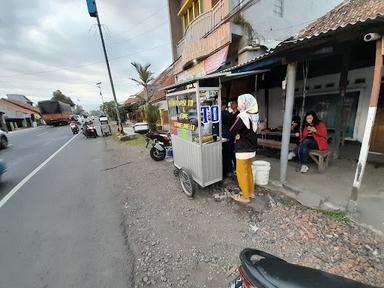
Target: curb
x=308, y=199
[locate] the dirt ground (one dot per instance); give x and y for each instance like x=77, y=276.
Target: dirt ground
x=183, y=242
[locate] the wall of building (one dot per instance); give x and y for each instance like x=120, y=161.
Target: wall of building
x=12, y=114
x=276, y=102
x=295, y=16
x=175, y=24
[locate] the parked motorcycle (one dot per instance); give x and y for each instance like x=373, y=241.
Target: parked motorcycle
x=74, y=127
x=273, y=272
x=161, y=145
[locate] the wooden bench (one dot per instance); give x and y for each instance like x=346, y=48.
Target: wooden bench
x=274, y=144
x=321, y=158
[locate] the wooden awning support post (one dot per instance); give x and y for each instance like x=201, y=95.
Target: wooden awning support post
x=340, y=118
x=289, y=99
x=368, y=126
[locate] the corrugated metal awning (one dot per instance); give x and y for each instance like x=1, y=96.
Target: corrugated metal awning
x=223, y=76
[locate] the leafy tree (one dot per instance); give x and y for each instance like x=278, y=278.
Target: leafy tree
x=109, y=109
x=59, y=96
x=153, y=115
x=144, y=77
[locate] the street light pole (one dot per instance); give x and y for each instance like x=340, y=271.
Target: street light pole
x=109, y=70
x=98, y=84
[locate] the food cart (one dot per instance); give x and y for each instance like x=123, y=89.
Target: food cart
x=195, y=124
x=104, y=126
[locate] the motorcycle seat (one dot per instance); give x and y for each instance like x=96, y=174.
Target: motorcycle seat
x=273, y=272
x=287, y=275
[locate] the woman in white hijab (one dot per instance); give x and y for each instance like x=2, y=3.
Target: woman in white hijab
x=244, y=130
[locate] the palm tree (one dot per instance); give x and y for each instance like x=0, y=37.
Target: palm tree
x=145, y=77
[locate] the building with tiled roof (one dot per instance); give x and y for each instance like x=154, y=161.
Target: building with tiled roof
x=16, y=114
x=348, y=13
x=25, y=105
x=166, y=78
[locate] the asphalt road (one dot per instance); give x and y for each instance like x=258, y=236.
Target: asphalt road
x=27, y=150
x=62, y=228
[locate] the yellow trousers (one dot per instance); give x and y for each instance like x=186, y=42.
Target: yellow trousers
x=245, y=177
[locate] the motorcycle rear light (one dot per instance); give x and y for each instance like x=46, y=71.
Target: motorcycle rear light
x=246, y=281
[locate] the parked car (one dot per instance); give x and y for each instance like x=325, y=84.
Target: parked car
x=3, y=139
x=141, y=127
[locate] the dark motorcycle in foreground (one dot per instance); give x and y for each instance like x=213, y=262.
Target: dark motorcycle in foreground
x=74, y=127
x=262, y=270
x=161, y=145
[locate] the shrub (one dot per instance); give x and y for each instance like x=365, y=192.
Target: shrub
x=153, y=115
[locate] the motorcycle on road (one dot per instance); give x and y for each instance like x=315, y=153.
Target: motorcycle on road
x=161, y=145
x=74, y=127
x=89, y=130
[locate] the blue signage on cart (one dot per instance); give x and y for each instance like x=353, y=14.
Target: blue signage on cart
x=204, y=110
x=215, y=114
x=210, y=113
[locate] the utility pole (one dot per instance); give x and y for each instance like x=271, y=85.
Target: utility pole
x=92, y=9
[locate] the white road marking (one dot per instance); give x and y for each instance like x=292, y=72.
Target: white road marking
x=30, y=175
x=41, y=133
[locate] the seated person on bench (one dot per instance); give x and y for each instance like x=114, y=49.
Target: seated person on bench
x=312, y=137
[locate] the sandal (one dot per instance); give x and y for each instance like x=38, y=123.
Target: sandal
x=253, y=196
x=240, y=199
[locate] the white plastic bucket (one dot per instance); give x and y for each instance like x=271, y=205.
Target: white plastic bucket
x=260, y=170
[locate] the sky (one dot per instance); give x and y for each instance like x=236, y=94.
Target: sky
x=48, y=45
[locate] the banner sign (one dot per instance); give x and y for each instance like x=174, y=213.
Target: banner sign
x=181, y=103
x=216, y=60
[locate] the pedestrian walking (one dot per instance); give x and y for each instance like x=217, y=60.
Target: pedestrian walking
x=244, y=131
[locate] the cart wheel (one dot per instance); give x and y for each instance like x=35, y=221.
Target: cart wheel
x=187, y=183
x=176, y=172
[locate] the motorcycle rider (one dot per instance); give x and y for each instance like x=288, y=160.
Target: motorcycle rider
x=85, y=132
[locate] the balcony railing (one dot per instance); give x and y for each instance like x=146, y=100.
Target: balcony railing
x=205, y=34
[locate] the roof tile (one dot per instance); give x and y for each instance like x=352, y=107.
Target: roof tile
x=347, y=13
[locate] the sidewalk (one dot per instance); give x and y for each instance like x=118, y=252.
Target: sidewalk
x=19, y=130
x=183, y=242
x=331, y=190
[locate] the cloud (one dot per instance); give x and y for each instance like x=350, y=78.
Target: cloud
x=54, y=45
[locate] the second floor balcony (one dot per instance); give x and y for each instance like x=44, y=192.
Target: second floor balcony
x=208, y=32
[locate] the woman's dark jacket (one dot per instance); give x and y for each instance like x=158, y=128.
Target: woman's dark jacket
x=248, y=138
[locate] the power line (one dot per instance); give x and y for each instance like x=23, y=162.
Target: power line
x=288, y=27
x=142, y=33
x=86, y=64
x=145, y=20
